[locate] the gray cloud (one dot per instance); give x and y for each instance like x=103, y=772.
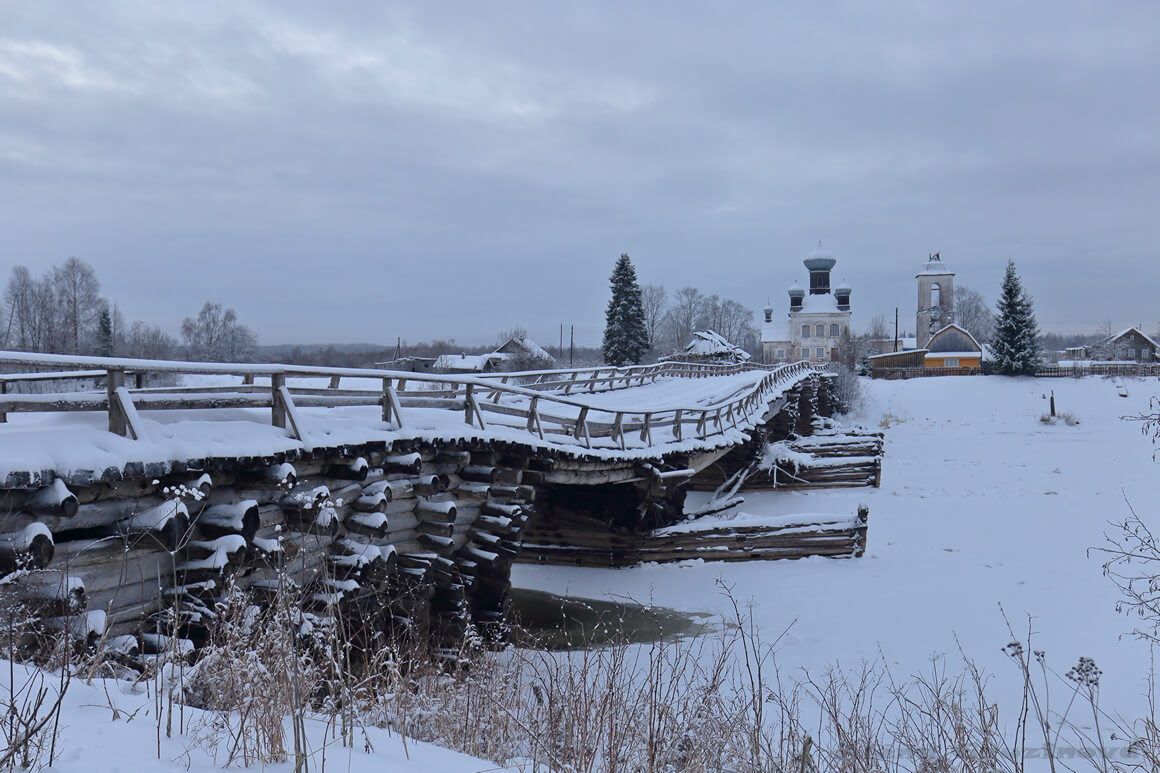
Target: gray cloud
x=351, y=172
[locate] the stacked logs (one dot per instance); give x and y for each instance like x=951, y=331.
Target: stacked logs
x=835, y=460
x=576, y=541
x=415, y=540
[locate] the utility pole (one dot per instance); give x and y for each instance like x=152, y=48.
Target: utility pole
x=572, y=347
x=560, y=348
x=896, y=328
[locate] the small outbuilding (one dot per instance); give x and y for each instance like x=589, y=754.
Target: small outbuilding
x=953, y=347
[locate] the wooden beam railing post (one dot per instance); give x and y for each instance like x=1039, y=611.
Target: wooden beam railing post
x=534, y=424
x=248, y=379
x=335, y=381
x=284, y=405
x=645, y=430
x=678, y=429
x=391, y=403
x=278, y=408
x=701, y=428
x=118, y=422
x=582, y=427
x=471, y=411
x=618, y=429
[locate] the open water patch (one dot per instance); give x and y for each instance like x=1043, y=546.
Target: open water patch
x=543, y=620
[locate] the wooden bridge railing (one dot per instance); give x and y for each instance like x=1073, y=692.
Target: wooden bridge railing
x=540, y=412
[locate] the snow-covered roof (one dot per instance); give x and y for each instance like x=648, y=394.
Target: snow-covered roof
x=935, y=267
x=523, y=345
x=709, y=343
x=1138, y=332
x=473, y=363
x=776, y=331
x=819, y=304
x=956, y=336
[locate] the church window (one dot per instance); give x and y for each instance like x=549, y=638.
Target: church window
x=819, y=330
x=834, y=330
x=805, y=331
x=805, y=352
x=935, y=294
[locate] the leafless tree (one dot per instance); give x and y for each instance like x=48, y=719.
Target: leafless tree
x=215, y=335
x=653, y=299
x=973, y=313
x=20, y=304
x=78, y=292
x=683, y=316
x=151, y=343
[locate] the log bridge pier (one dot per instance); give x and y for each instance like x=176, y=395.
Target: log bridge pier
x=397, y=500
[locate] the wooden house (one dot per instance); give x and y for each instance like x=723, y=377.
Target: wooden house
x=1128, y=345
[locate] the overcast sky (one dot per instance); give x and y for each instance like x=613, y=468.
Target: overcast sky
x=353, y=172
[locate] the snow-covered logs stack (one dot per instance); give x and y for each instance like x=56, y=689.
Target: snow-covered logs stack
x=412, y=540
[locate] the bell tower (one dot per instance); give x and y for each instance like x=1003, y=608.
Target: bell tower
x=936, y=299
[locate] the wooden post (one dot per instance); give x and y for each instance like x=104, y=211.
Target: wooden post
x=278, y=409
x=248, y=379
x=678, y=429
x=335, y=381
x=118, y=423
x=582, y=425
x=645, y=432
x=618, y=429
x=701, y=428
x=139, y=379
x=467, y=400
x=391, y=403
x=534, y=424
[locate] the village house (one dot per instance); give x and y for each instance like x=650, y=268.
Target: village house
x=1130, y=345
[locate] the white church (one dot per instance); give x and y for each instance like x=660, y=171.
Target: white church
x=816, y=320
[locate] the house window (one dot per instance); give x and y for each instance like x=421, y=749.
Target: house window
x=950, y=362
x=1146, y=355
x=1131, y=354
x=805, y=331
x=805, y=352
x=819, y=331
x=779, y=354
x=820, y=351
x=834, y=330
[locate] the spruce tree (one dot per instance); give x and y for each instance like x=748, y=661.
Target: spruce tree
x=625, y=334
x=1015, y=346
x=105, y=333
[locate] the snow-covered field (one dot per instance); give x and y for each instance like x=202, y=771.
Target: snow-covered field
x=981, y=505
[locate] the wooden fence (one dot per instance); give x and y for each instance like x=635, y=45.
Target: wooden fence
x=1128, y=369
x=540, y=412
x=894, y=373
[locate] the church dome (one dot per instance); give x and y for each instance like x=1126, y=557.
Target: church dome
x=819, y=259
x=796, y=291
x=843, y=288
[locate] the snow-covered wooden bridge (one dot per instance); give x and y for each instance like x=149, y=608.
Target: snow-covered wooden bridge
x=405, y=496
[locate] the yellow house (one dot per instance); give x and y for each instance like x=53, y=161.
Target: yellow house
x=953, y=347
